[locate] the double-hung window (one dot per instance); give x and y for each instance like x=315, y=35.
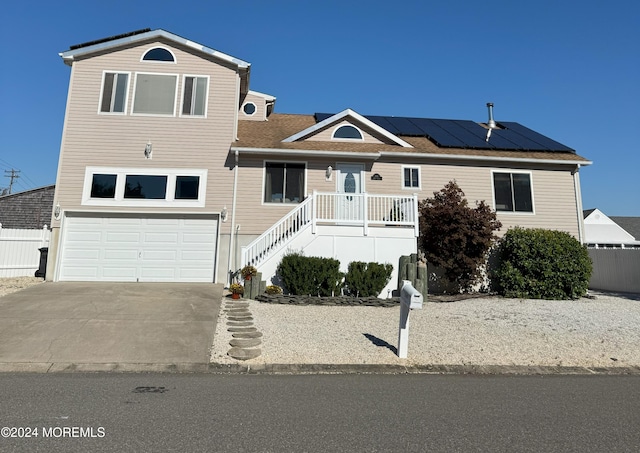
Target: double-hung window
x=114, y=92
x=155, y=94
x=194, y=99
x=411, y=177
x=512, y=192
x=284, y=182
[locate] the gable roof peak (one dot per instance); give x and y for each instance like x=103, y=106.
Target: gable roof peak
x=347, y=113
x=142, y=35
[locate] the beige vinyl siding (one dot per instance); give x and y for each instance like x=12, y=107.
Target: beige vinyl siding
x=368, y=135
x=553, y=191
x=92, y=139
x=261, y=108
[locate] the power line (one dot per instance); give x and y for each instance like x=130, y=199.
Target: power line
x=13, y=175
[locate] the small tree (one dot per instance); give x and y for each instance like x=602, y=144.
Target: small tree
x=455, y=236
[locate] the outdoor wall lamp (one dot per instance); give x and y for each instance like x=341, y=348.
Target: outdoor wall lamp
x=56, y=212
x=148, y=149
x=223, y=214
x=328, y=173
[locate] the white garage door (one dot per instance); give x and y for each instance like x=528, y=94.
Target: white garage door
x=128, y=248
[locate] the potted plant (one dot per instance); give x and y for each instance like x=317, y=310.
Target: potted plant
x=236, y=290
x=248, y=272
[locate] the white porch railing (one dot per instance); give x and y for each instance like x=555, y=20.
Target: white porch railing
x=338, y=209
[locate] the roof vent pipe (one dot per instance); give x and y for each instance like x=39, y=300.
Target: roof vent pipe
x=492, y=124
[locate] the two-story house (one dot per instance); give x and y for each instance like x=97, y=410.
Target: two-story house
x=172, y=169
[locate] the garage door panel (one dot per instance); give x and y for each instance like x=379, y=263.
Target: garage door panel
x=121, y=255
x=112, y=273
x=122, y=237
x=160, y=255
x=164, y=238
x=198, y=238
x=84, y=237
x=147, y=248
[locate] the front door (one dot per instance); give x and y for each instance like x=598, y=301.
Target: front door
x=350, y=202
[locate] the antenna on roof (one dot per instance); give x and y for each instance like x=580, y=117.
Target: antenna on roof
x=491, y=123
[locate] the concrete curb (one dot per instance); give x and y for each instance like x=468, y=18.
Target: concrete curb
x=294, y=369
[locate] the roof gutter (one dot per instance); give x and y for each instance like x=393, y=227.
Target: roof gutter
x=485, y=158
x=378, y=155
x=305, y=152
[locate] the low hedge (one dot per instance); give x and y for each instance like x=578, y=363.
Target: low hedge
x=310, y=275
x=367, y=279
x=541, y=264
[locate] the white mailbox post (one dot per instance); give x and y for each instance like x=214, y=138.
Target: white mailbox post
x=410, y=299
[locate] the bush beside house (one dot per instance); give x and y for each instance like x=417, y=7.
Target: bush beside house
x=541, y=264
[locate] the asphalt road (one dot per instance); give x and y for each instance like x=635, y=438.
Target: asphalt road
x=232, y=413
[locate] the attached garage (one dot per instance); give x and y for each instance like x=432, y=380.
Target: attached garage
x=138, y=248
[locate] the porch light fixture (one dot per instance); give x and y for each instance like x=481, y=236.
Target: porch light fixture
x=56, y=212
x=223, y=214
x=148, y=149
x=328, y=173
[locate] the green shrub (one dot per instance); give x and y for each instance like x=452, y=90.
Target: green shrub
x=310, y=275
x=541, y=264
x=367, y=279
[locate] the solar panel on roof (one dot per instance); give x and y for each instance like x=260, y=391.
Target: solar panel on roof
x=405, y=126
x=465, y=133
x=383, y=122
x=533, y=136
x=436, y=133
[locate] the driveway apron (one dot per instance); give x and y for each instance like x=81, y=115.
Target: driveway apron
x=109, y=323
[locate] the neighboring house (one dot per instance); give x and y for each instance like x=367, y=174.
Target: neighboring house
x=30, y=209
x=171, y=169
x=602, y=231
x=24, y=220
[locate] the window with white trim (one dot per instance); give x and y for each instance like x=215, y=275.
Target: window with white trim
x=106, y=186
x=284, y=182
x=155, y=94
x=411, y=177
x=194, y=96
x=512, y=192
x=348, y=132
x=159, y=54
x=113, y=98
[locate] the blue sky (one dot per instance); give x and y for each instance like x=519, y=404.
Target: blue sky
x=567, y=69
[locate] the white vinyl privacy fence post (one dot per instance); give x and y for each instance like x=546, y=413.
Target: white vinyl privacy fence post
x=410, y=299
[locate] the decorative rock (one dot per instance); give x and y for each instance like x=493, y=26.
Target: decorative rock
x=247, y=335
x=242, y=329
x=244, y=354
x=245, y=343
x=239, y=323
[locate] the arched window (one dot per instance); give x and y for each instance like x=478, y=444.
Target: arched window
x=348, y=132
x=158, y=54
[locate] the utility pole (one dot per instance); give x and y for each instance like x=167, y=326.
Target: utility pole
x=13, y=175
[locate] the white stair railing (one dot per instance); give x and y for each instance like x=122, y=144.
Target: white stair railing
x=338, y=209
x=279, y=234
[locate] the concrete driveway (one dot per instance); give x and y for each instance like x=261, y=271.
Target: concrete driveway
x=108, y=326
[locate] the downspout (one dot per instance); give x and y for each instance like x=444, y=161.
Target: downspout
x=233, y=215
x=578, y=194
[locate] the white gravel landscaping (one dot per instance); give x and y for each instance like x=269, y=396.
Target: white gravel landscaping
x=604, y=331
x=10, y=285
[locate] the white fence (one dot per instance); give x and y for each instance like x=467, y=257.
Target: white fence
x=615, y=270
x=19, y=254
